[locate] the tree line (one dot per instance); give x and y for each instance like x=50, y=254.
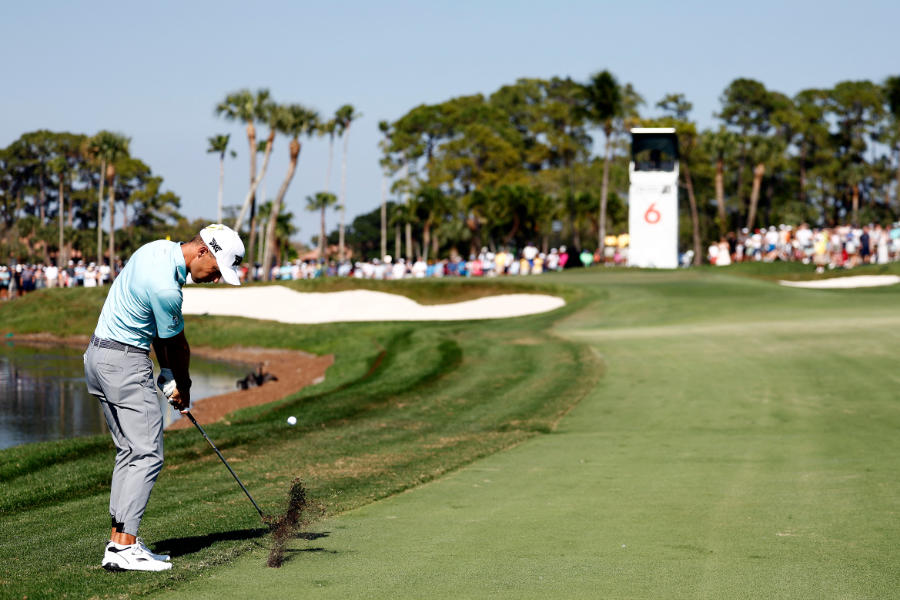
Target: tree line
x=58, y=188
x=540, y=160
x=269, y=233
x=524, y=163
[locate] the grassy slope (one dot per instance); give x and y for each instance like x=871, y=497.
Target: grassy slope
x=742, y=443
x=402, y=405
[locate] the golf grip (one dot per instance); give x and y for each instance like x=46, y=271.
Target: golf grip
x=225, y=462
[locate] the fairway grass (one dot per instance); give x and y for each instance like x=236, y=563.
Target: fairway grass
x=739, y=451
x=720, y=437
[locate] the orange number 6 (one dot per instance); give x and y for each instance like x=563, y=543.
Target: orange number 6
x=652, y=215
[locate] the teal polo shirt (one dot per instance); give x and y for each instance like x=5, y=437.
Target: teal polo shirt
x=145, y=299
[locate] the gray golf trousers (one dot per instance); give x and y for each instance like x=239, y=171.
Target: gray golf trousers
x=122, y=380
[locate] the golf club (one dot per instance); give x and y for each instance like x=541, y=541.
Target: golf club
x=225, y=462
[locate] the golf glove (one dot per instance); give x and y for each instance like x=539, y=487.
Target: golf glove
x=166, y=382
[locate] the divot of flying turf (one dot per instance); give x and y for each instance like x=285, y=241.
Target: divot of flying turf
x=298, y=515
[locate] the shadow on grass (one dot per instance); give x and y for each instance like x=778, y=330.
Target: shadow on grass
x=309, y=535
x=188, y=545
x=176, y=547
x=289, y=553
x=302, y=550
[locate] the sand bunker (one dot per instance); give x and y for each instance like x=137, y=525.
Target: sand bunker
x=856, y=281
x=278, y=303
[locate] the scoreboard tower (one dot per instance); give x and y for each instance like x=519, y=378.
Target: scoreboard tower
x=653, y=198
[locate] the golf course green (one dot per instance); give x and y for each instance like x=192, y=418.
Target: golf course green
x=691, y=434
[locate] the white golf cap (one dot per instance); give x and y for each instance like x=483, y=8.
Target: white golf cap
x=227, y=247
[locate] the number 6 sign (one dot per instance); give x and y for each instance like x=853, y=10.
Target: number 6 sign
x=653, y=198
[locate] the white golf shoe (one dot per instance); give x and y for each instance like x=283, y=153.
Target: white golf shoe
x=135, y=557
x=163, y=557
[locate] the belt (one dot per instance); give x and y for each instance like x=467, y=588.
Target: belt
x=114, y=345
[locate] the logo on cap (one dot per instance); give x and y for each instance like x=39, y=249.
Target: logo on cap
x=237, y=260
x=215, y=246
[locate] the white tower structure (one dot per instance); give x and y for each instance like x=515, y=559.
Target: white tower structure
x=653, y=198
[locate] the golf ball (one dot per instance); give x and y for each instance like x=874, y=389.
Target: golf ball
x=292, y=420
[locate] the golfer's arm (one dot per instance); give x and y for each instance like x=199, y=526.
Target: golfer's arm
x=174, y=353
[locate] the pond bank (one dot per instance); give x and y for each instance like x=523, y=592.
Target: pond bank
x=294, y=371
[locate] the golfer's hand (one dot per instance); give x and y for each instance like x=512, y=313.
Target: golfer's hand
x=181, y=402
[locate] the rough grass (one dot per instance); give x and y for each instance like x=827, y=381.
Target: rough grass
x=402, y=405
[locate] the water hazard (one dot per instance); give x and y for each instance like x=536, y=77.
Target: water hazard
x=43, y=395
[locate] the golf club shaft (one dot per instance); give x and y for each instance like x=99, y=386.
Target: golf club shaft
x=225, y=462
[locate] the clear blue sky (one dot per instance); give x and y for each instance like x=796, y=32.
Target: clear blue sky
x=155, y=70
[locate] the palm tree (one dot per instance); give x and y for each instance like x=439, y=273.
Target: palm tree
x=111, y=187
x=405, y=214
x=94, y=152
x=435, y=206
x=79, y=162
x=265, y=113
x=385, y=128
x=119, y=151
x=106, y=147
x=59, y=166
x=291, y=120
x=321, y=201
x=344, y=117
x=329, y=128
x=219, y=144
x=284, y=229
x=383, y=230
x=250, y=108
x=408, y=212
x=602, y=104
x=263, y=212
x=241, y=106
x=688, y=137
x=721, y=144
x=67, y=148
x=396, y=219
x=262, y=216
x=762, y=150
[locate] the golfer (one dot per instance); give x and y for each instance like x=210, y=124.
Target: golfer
x=144, y=307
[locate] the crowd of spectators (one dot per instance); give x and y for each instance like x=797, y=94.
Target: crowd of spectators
x=529, y=261
x=17, y=279
x=843, y=246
